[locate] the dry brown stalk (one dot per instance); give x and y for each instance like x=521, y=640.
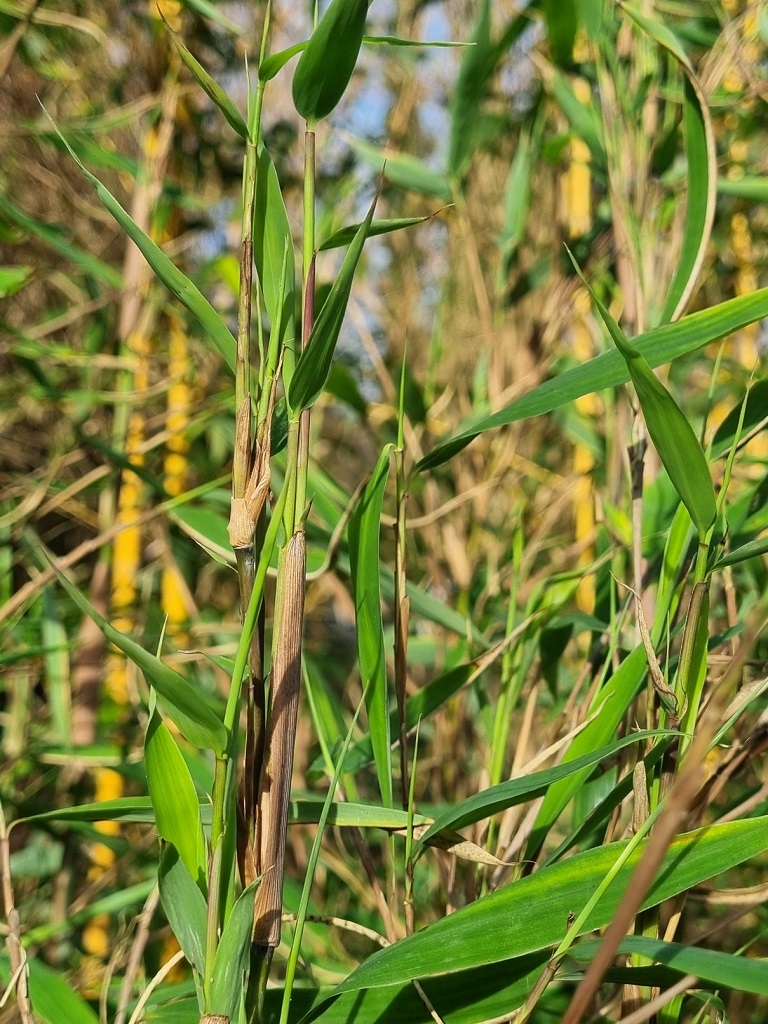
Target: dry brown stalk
x=275, y=784
x=16, y=952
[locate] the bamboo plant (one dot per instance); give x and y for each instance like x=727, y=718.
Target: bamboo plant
x=517, y=948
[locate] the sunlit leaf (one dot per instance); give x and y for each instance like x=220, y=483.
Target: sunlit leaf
x=701, y=177
x=678, y=447
x=186, y=707
x=405, y=171
x=328, y=61
x=209, y=85
x=174, y=799
x=177, y=283
x=728, y=970
x=232, y=956
x=531, y=914
x=608, y=370
x=314, y=363
x=344, y=236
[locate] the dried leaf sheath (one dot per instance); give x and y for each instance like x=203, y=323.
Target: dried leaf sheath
x=275, y=788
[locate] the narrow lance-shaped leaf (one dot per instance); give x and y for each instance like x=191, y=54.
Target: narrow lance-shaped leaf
x=477, y=63
x=678, y=447
x=608, y=370
x=270, y=66
x=364, y=527
x=378, y=227
x=232, y=956
x=213, y=11
x=314, y=363
x=173, y=279
x=531, y=914
x=209, y=85
x=726, y=970
x=174, y=799
x=53, y=999
x=329, y=59
x=701, y=179
x=515, y=791
x=404, y=171
x=272, y=251
x=186, y=708
x=184, y=906
x=562, y=21
x=55, y=239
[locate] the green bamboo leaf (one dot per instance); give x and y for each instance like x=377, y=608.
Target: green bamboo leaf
x=273, y=250
x=232, y=956
x=562, y=21
x=529, y=915
x=697, y=672
x=466, y=997
x=329, y=59
x=608, y=370
x=754, y=549
x=397, y=41
x=722, y=969
x=184, y=906
x=378, y=227
x=405, y=171
x=672, y=435
x=177, y=283
x=314, y=363
x=175, y=802
x=213, y=12
x=186, y=707
x=477, y=65
x=209, y=85
x=300, y=812
x=756, y=411
x=113, y=903
x=584, y=118
x=342, y=385
x=13, y=279
x=54, y=239
x=270, y=66
x=517, y=197
x=57, y=669
x=52, y=998
x=364, y=528
x=606, y=711
x=701, y=178
x=516, y=791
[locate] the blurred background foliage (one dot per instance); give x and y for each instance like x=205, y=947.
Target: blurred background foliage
x=561, y=124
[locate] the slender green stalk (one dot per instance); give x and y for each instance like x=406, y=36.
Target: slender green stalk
x=402, y=601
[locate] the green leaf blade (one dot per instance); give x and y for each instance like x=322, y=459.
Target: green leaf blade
x=328, y=61
x=672, y=435
x=530, y=915
x=314, y=363
x=175, y=802
x=184, y=906
x=177, y=283
x=208, y=84
x=186, y=708
x=364, y=528
x=232, y=956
